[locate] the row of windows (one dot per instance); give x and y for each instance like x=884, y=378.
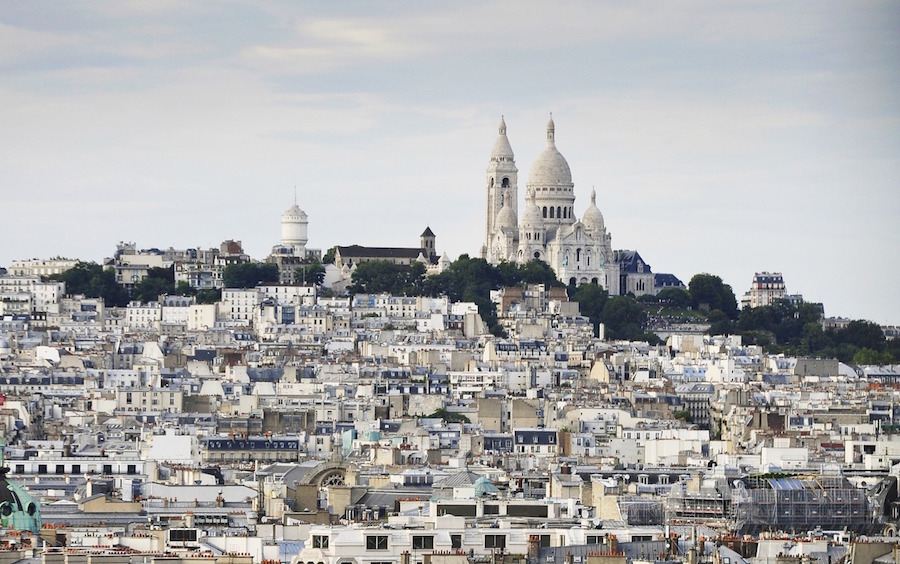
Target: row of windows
x=245, y=457
x=419, y=542
x=535, y=448
x=534, y=438
x=60, y=469
x=558, y=212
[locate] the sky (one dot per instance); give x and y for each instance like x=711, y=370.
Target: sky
x=721, y=137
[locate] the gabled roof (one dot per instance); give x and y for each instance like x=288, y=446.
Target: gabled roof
x=628, y=261
x=379, y=252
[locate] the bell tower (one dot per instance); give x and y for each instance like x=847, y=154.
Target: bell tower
x=502, y=178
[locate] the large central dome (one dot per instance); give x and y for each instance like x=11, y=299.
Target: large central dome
x=550, y=168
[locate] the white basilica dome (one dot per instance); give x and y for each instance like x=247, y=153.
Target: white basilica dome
x=506, y=217
x=532, y=217
x=550, y=168
x=593, y=219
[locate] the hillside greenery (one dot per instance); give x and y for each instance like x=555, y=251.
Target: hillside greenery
x=780, y=328
x=93, y=281
x=250, y=274
x=784, y=327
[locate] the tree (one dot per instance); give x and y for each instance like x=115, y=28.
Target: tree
x=684, y=415
x=508, y=273
x=719, y=324
x=591, y=300
x=250, y=274
x=449, y=416
x=414, y=284
x=209, y=296
x=185, y=289
x=329, y=256
x=710, y=292
x=814, y=341
x=676, y=297
x=158, y=281
x=862, y=334
x=624, y=318
x=310, y=272
x=866, y=356
x=379, y=276
x=537, y=271
x=783, y=322
x=91, y=280
x=469, y=280
x=534, y=271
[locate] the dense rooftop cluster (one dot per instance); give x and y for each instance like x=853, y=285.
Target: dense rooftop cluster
x=281, y=423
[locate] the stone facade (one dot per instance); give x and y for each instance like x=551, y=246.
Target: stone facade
x=578, y=250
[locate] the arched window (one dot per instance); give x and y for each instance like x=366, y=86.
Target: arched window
x=572, y=281
x=505, y=183
x=594, y=281
x=558, y=211
x=491, y=184
x=551, y=212
x=537, y=254
x=577, y=255
x=565, y=213
x=545, y=212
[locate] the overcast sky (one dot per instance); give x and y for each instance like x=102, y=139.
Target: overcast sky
x=721, y=137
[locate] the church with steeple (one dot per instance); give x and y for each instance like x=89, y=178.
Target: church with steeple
x=578, y=250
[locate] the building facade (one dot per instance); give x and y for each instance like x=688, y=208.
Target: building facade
x=765, y=290
x=578, y=250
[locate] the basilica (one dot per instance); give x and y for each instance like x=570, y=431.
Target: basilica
x=579, y=250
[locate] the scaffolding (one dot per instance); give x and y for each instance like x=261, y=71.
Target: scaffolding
x=707, y=505
x=778, y=502
x=640, y=510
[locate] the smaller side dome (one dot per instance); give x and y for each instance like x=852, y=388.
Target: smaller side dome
x=506, y=217
x=532, y=216
x=593, y=219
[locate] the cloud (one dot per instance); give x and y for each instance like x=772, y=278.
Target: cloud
x=697, y=123
x=18, y=44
